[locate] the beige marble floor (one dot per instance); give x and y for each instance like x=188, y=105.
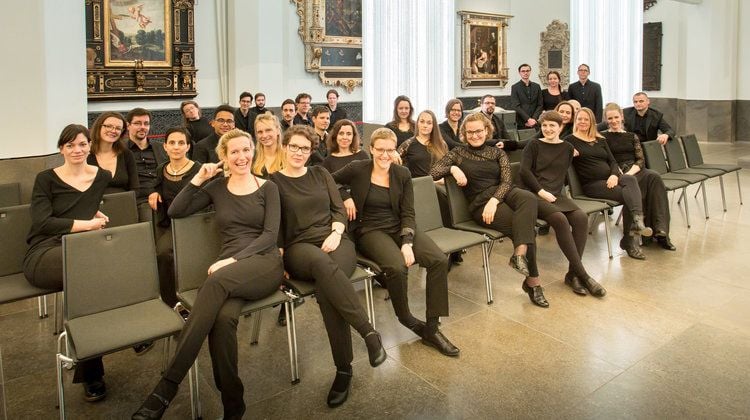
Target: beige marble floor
x=670, y=340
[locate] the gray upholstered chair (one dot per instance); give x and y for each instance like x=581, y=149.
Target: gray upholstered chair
x=695, y=160
x=677, y=165
x=15, y=223
x=10, y=194
x=120, y=208
x=111, y=296
x=429, y=221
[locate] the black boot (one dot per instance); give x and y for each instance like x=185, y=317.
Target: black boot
x=152, y=408
x=637, y=227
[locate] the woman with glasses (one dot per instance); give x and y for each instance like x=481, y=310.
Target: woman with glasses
x=109, y=153
x=317, y=249
x=484, y=173
x=402, y=123
x=66, y=200
x=386, y=232
x=454, y=112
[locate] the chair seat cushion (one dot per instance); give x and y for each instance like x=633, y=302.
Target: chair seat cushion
x=722, y=167
x=451, y=240
x=188, y=299
x=307, y=288
x=472, y=226
x=117, y=329
x=674, y=184
x=709, y=172
x=590, y=206
x=691, y=178
x=15, y=287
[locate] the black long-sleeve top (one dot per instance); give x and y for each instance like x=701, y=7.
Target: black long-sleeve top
x=205, y=149
x=401, y=136
x=334, y=163
x=55, y=205
x=544, y=166
x=487, y=170
x=451, y=137
x=125, y=177
x=594, y=161
x=550, y=101
x=626, y=149
x=199, y=129
x=415, y=156
x=248, y=224
x=168, y=186
x=309, y=206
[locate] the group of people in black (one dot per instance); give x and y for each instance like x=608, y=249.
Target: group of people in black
x=293, y=198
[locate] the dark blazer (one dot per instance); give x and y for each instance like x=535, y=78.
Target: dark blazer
x=205, y=150
x=590, y=96
x=356, y=175
x=243, y=122
x=526, y=106
x=451, y=139
x=654, y=123
x=501, y=134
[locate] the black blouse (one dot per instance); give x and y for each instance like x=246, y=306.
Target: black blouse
x=334, y=163
x=401, y=136
x=545, y=165
x=415, y=156
x=451, y=137
x=594, y=161
x=125, y=177
x=626, y=149
x=550, y=101
x=168, y=186
x=378, y=212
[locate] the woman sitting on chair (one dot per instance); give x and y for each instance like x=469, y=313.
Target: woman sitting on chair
x=249, y=268
x=343, y=146
x=108, y=152
x=601, y=178
x=484, y=173
x=544, y=166
x=626, y=149
x=385, y=232
x=268, y=156
x=66, y=200
x=317, y=249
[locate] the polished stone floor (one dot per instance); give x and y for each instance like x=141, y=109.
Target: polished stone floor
x=670, y=340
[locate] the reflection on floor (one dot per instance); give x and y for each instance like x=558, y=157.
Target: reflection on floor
x=670, y=340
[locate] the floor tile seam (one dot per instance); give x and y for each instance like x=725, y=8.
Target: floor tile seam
x=745, y=333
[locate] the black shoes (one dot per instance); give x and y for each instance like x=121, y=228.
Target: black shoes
x=418, y=328
x=594, y=287
x=630, y=245
x=536, y=295
x=152, y=408
x=94, y=391
x=638, y=227
x=144, y=348
x=663, y=239
x=340, y=389
x=375, y=349
x=520, y=264
x=441, y=343
x=575, y=284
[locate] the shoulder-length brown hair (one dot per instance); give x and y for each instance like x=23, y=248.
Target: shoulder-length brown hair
x=96, y=132
x=436, y=145
x=396, y=119
x=333, y=145
x=592, y=131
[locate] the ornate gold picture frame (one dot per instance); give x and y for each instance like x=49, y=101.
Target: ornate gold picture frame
x=484, y=60
x=331, y=31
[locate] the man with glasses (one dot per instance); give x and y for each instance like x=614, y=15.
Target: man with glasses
x=223, y=122
x=500, y=136
x=303, y=102
x=148, y=154
x=587, y=92
x=526, y=99
x=243, y=115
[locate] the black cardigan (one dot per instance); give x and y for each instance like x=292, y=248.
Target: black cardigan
x=357, y=175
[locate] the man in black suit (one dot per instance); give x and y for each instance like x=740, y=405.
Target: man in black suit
x=646, y=122
x=526, y=99
x=588, y=93
x=500, y=134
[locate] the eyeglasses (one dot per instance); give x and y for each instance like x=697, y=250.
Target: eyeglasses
x=583, y=70
x=456, y=110
x=114, y=128
x=305, y=103
x=296, y=148
x=223, y=121
x=475, y=133
x=380, y=150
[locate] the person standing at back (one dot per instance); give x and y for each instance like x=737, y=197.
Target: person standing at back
x=526, y=99
x=587, y=92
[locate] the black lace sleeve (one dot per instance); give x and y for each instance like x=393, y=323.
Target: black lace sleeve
x=640, y=160
x=506, y=176
x=442, y=167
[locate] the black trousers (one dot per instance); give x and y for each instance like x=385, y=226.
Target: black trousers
x=655, y=200
x=215, y=314
x=385, y=250
x=571, y=231
x=339, y=304
x=165, y=263
x=516, y=217
x=626, y=192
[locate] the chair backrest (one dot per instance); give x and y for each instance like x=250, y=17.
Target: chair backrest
x=10, y=194
x=515, y=172
x=196, y=246
x=576, y=190
x=109, y=269
x=120, y=208
x=654, y=156
x=692, y=150
x=15, y=223
x=526, y=133
x=426, y=208
x=675, y=157
x=457, y=202
x=513, y=134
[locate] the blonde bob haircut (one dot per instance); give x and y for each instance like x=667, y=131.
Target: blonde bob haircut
x=221, y=147
x=592, y=132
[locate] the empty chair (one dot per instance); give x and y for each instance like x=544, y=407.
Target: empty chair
x=120, y=208
x=112, y=304
x=695, y=160
x=676, y=160
x=526, y=134
x=10, y=194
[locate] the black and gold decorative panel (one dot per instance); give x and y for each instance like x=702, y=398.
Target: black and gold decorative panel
x=140, y=49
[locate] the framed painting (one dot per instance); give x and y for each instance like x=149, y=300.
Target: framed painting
x=483, y=50
x=331, y=31
x=140, y=49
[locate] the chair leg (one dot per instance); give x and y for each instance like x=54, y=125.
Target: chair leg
x=487, y=273
x=700, y=187
x=619, y=218
x=684, y=192
x=739, y=187
x=291, y=334
x=257, y=315
x=606, y=231
x=370, y=300
x=687, y=213
x=62, y=360
x=195, y=398
x=705, y=201
x=41, y=302
x=165, y=355
x=592, y=222
x=723, y=197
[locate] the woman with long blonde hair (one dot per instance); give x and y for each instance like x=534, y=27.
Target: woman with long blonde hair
x=268, y=156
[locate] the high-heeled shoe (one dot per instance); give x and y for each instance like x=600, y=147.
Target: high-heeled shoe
x=536, y=295
x=520, y=264
x=146, y=413
x=375, y=349
x=339, y=389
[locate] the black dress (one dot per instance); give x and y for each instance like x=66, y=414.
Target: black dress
x=544, y=166
x=334, y=163
x=125, y=177
x=416, y=157
x=550, y=101
x=401, y=136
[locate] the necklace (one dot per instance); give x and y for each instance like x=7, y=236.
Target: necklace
x=176, y=172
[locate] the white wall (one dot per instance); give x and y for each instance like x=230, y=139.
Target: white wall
x=530, y=18
x=43, y=81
